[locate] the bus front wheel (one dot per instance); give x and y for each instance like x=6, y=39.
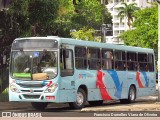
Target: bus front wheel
x=80, y=100
x=39, y=105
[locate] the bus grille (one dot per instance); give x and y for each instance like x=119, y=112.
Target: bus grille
x=31, y=85
x=31, y=96
x=33, y=91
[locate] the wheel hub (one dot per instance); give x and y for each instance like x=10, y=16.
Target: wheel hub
x=132, y=94
x=80, y=98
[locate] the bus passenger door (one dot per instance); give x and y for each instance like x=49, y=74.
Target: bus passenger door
x=151, y=71
x=67, y=83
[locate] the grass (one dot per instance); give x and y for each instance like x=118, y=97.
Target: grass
x=4, y=96
x=3, y=84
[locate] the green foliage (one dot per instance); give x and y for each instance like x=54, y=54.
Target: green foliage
x=49, y=17
x=145, y=32
x=89, y=13
x=84, y=34
x=63, y=22
x=84, y=13
x=12, y=21
x=4, y=95
x=42, y=14
x=18, y=7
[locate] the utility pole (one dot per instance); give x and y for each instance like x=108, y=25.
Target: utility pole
x=158, y=1
x=103, y=27
x=103, y=33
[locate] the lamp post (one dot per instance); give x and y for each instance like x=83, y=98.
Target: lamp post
x=158, y=1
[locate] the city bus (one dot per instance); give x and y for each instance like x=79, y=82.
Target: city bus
x=51, y=69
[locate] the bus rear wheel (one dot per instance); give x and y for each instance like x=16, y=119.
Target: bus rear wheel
x=95, y=103
x=39, y=105
x=131, y=96
x=80, y=100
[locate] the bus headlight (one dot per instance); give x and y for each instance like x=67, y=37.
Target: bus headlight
x=13, y=88
x=51, y=88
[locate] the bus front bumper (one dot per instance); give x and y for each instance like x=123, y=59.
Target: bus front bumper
x=31, y=97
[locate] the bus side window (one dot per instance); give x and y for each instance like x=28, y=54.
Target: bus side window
x=143, y=62
x=94, y=61
x=132, y=61
x=150, y=62
x=66, y=62
x=80, y=57
x=120, y=60
x=107, y=59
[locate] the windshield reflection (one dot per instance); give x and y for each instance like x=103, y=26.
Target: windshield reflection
x=35, y=65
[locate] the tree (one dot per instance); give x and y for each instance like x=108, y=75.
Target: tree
x=128, y=12
x=77, y=14
x=12, y=21
x=42, y=14
x=63, y=22
x=145, y=32
x=50, y=17
x=85, y=34
x=89, y=14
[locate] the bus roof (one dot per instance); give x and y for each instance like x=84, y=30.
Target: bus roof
x=93, y=44
x=105, y=45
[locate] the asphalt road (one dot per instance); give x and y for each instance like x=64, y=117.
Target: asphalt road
x=62, y=111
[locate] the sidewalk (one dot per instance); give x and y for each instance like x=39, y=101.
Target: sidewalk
x=133, y=107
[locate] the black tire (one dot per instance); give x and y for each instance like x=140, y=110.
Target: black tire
x=39, y=105
x=131, y=96
x=96, y=103
x=79, y=104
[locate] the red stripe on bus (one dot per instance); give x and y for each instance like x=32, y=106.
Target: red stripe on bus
x=138, y=80
x=49, y=84
x=101, y=86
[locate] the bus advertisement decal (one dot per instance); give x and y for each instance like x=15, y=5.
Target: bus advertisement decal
x=138, y=80
x=116, y=80
x=145, y=77
x=82, y=76
x=99, y=84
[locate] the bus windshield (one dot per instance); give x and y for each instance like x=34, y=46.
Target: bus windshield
x=34, y=65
